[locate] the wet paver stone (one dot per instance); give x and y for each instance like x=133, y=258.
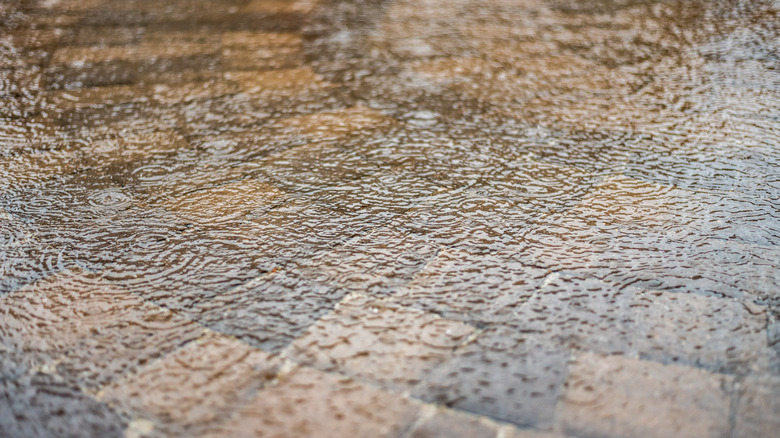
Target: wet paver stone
x=389, y=218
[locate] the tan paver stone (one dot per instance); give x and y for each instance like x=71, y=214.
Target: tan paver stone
x=534, y=76
x=466, y=220
x=451, y=424
x=33, y=168
x=250, y=144
x=379, y=341
x=245, y=39
x=312, y=403
x=623, y=200
x=335, y=124
x=294, y=79
x=158, y=34
x=260, y=50
x=580, y=311
x=195, y=385
x=261, y=58
x=716, y=333
x=758, y=408
x=122, y=147
x=36, y=403
x=93, y=330
x=168, y=94
x=540, y=186
x=301, y=228
x=315, y=166
x=448, y=69
x=483, y=288
x=208, y=205
x=505, y=374
x=77, y=57
x=280, y=6
x=377, y=263
x=381, y=195
x=612, y=396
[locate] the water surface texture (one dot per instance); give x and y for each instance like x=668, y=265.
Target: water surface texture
x=402, y=218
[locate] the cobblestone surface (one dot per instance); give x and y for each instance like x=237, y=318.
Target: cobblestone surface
x=389, y=218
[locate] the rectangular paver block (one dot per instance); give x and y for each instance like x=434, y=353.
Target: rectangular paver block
x=580, y=311
x=720, y=334
x=504, y=374
x=473, y=287
x=311, y=403
x=374, y=264
x=41, y=405
x=195, y=385
x=613, y=396
x=758, y=407
x=270, y=311
x=293, y=80
x=379, y=341
x=233, y=200
x=260, y=50
x=95, y=331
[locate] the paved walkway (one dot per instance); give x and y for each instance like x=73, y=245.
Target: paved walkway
x=373, y=218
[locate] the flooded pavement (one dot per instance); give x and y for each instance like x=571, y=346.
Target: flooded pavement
x=500, y=218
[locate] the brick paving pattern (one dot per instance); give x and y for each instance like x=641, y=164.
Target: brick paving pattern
x=273, y=218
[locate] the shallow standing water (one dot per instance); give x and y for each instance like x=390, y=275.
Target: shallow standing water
x=390, y=218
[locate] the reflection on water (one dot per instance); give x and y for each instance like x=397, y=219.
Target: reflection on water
x=544, y=173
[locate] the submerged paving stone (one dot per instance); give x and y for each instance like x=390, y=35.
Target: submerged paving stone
x=288, y=82
x=504, y=374
x=92, y=332
x=308, y=402
x=579, y=312
x=28, y=262
x=13, y=232
x=254, y=50
x=270, y=311
x=376, y=263
x=758, y=407
x=725, y=336
x=178, y=271
x=331, y=125
x=299, y=230
x=530, y=433
x=157, y=94
x=228, y=201
x=195, y=385
x=379, y=341
x=466, y=220
x=39, y=404
x=473, y=287
x=609, y=396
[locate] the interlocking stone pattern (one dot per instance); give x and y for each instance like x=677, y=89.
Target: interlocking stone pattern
x=390, y=218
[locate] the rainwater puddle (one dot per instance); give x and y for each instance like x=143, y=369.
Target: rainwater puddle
x=390, y=217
